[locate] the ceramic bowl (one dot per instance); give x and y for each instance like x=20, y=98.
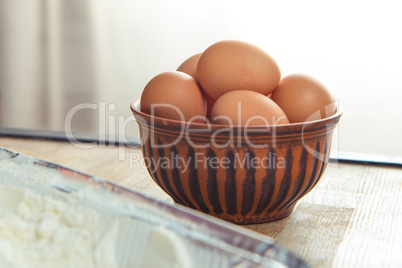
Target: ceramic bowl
x=242, y=175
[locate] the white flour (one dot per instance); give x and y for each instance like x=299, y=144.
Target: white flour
x=44, y=232
x=41, y=226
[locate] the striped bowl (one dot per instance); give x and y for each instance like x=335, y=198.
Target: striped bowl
x=242, y=175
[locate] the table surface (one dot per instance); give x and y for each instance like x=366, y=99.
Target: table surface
x=352, y=218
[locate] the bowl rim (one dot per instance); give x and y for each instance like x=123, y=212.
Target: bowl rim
x=135, y=108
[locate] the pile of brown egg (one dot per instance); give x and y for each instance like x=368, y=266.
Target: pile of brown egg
x=235, y=83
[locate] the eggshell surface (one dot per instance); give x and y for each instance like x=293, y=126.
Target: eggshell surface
x=174, y=95
x=303, y=98
x=247, y=108
x=210, y=104
x=236, y=65
x=189, y=66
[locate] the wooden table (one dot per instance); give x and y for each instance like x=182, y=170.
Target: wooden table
x=352, y=218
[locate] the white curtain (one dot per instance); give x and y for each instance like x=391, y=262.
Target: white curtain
x=59, y=54
x=47, y=62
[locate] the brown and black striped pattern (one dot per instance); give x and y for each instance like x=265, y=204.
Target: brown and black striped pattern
x=231, y=193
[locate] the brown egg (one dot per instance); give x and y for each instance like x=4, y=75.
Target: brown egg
x=189, y=66
x=303, y=98
x=247, y=108
x=174, y=95
x=235, y=65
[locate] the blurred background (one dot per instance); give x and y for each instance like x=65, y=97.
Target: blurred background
x=76, y=65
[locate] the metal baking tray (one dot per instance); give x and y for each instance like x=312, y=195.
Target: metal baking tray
x=208, y=241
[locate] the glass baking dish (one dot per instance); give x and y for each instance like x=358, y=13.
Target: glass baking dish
x=141, y=231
